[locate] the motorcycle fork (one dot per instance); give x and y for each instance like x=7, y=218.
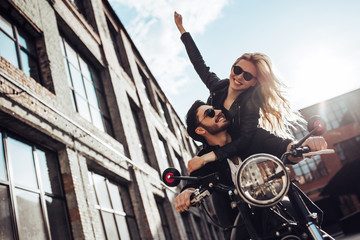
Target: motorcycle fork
x=306, y=218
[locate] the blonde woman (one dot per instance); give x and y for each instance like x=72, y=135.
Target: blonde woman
x=251, y=96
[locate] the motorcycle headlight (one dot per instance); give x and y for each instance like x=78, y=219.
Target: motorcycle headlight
x=262, y=180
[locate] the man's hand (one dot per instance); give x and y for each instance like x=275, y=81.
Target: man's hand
x=195, y=163
x=182, y=201
x=178, y=22
x=314, y=143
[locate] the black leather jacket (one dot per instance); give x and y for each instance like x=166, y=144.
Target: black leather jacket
x=243, y=113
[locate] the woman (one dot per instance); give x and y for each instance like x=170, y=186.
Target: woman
x=250, y=96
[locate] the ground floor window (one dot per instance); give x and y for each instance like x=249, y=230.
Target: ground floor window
x=32, y=204
x=114, y=208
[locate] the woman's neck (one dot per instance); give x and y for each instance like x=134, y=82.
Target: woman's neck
x=230, y=98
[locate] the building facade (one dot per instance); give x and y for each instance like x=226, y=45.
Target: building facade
x=85, y=130
x=332, y=180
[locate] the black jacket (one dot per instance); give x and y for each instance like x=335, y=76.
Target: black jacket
x=243, y=113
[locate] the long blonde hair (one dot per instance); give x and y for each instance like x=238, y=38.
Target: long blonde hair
x=276, y=115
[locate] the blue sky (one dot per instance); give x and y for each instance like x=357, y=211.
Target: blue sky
x=314, y=45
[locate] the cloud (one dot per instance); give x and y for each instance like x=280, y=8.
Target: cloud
x=154, y=33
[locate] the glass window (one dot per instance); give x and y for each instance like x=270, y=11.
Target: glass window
x=164, y=218
x=49, y=172
x=115, y=208
x=18, y=48
x=110, y=226
x=29, y=215
x=310, y=170
x=22, y=164
x=28, y=165
x=166, y=115
x=348, y=150
x=139, y=129
x=334, y=113
x=130, y=215
x=186, y=219
x=87, y=91
x=6, y=230
x=3, y=175
x=6, y=27
x=165, y=151
x=57, y=218
x=119, y=49
x=8, y=52
x=102, y=192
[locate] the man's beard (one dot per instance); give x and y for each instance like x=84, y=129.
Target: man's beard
x=213, y=130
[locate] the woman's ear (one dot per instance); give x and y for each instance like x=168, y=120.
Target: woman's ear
x=200, y=131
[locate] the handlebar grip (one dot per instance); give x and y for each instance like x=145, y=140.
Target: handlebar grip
x=325, y=151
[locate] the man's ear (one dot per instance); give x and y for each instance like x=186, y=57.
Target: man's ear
x=200, y=131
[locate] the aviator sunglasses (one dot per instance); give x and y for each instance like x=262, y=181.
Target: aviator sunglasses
x=210, y=112
x=238, y=70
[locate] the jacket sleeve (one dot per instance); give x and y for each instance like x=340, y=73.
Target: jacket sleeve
x=209, y=78
x=275, y=145
x=243, y=132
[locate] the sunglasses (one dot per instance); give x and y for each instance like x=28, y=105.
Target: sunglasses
x=238, y=70
x=210, y=112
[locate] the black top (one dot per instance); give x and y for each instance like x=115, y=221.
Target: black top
x=243, y=113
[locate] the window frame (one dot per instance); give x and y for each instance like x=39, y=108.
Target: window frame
x=94, y=80
x=12, y=186
x=121, y=188
x=33, y=57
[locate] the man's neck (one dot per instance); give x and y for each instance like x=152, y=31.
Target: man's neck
x=219, y=139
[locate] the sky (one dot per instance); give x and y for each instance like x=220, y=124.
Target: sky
x=313, y=44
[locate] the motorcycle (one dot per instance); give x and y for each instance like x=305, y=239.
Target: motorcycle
x=270, y=205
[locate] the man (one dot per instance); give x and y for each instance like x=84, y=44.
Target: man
x=209, y=126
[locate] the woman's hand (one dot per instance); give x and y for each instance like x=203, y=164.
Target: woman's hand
x=316, y=143
x=197, y=162
x=178, y=22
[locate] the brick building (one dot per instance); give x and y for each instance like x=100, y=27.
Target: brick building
x=85, y=130
x=332, y=180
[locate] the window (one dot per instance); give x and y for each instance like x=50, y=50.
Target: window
x=35, y=195
x=86, y=88
x=115, y=208
x=166, y=115
x=182, y=164
x=299, y=132
x=137, y=115
x=148, y=89
x=310, y=170
x=200, y=227
x=189, y=146
x=84, y=7
x=119, y=49
x=164, y=149
x=186, y=219
x=18, y=47
x=348, y=150
x=164, y=218
x=334, y=114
